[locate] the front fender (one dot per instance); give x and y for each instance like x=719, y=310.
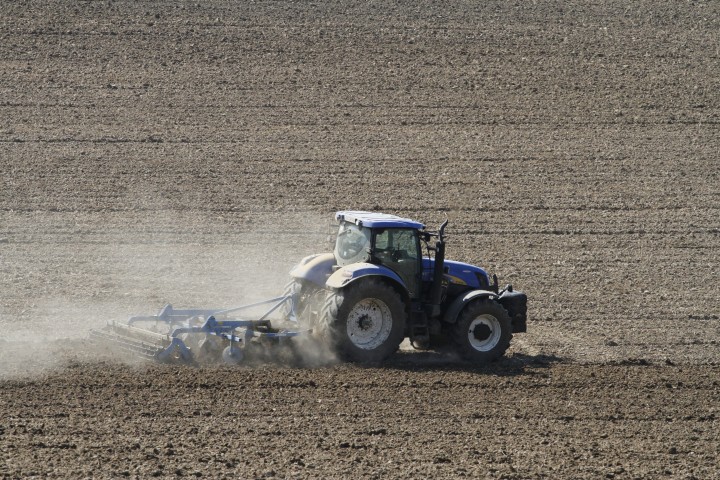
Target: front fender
x=315, y=268
x=459, y=303
x=346, y=275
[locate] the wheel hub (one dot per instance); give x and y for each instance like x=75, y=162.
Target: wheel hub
x=365, y=322
x=481, y=332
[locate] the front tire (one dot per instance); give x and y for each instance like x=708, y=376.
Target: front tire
x=364, y=321
x=483, y=331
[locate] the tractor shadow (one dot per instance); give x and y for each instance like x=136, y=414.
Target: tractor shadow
x=515, y=364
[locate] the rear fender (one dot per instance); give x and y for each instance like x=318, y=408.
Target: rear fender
x=461, y=301
x=351, y=273
x=315, y=268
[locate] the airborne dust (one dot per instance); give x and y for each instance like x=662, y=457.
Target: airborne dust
x=89, y=277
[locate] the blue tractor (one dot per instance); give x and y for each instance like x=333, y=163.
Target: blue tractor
x=377, y=288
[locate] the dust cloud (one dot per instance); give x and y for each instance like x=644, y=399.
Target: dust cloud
x=69, y=280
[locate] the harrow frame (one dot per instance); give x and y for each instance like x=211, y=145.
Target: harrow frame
x=183, y=326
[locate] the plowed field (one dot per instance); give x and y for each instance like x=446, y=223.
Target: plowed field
x=155, y=152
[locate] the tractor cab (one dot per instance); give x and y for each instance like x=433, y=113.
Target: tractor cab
x=384, y=240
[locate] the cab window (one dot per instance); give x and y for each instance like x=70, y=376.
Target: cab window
x=352, y=245
x=396, y=242
x=399, y=249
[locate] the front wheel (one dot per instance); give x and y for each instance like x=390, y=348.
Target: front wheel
x=483, y=331
x=365, y=321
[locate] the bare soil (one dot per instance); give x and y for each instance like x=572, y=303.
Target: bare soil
x=190, y=153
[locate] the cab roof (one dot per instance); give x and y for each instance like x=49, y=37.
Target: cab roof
x=376, y=220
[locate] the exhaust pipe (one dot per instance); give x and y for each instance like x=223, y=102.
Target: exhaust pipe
x=438, y=271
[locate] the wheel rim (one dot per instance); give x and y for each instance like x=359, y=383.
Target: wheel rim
x=484, y=333
x=369, y=323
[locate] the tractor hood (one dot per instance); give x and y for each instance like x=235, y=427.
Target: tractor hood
x=458, y=273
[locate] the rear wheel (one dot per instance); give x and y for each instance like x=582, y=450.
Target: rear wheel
x=483, y=331
x=307, y=301
x=292, y=288
x=365, y=321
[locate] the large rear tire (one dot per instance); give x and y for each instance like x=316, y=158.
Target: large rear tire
x=364, y=321
x=307, y=298
x=483, y=331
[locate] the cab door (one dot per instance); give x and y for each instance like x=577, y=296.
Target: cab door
x=399, y=250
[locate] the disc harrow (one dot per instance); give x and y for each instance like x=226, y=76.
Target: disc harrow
x=198, y=335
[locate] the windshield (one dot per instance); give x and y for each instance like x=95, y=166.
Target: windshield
x=352, y=244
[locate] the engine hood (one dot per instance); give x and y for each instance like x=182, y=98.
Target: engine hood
x=458, y=273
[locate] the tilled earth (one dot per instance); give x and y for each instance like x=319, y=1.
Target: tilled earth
x=190, y=153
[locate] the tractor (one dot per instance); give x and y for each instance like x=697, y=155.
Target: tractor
x=374, y=290
x=386, y=281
